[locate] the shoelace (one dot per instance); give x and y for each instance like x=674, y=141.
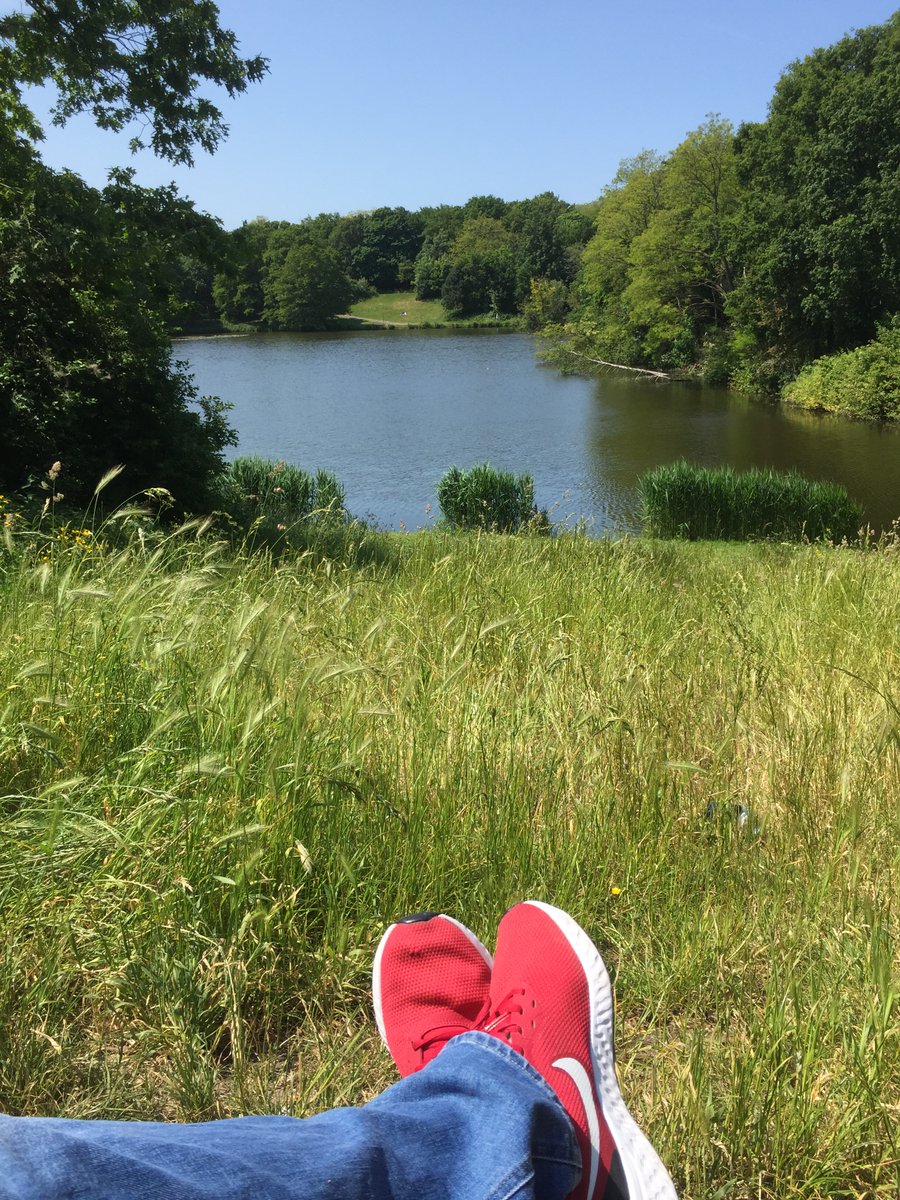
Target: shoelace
x=435, y=1039
x=504, y=1021
x=500, y=1021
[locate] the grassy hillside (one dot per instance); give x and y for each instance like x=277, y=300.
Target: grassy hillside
x=400, y=308
x=221, y=777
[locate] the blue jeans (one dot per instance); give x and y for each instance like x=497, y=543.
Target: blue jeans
x=478, y=1123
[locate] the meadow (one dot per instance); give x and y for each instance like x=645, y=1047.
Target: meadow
x=400, y=308
x=222, y=773
x=403, y=309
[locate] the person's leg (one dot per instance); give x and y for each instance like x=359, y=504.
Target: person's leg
x=526, y=1105
x=477, y=1123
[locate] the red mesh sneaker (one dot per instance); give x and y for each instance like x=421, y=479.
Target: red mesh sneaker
x=552, y=1001
x=430, y=981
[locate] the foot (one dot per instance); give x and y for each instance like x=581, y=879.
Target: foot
x=551, y=1000
x=430, y=981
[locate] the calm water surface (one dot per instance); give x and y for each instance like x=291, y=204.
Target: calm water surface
x=389, y=411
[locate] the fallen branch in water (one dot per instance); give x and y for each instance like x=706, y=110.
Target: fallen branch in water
x=618, y=366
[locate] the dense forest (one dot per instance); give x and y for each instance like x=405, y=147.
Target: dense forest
x=766, y=257
x=480, y=257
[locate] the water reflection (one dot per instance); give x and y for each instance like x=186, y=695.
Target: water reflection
x=636, y=425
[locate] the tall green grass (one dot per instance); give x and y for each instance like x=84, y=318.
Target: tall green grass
x=682, y=500
x=221, y=775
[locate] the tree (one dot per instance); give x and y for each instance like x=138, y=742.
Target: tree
x=88, y=288
x=625, y=212
x=540, y=251
x=238, y=285
x=480, y=284
x=679, y=268
x=818, y=237
x=547, y=303
x=380, y=246
x=485, y=206
x=306, y=285
x=482, y=274
x=605, y=326
x=657, y=274
x=432, y=268
x=440, y=224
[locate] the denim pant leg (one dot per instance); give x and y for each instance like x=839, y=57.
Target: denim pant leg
x=478, y=1123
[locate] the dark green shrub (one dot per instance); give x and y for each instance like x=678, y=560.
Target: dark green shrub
x=680, y=500
x=720, y=358
x=87, y=375
x=258, y=489
x=485, y=498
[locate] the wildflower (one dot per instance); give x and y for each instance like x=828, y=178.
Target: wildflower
x=615, y=891
x=281, y=527
x=54, y=471
x=161, y=496
x=277, y=489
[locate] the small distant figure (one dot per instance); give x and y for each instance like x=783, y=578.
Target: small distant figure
x=403, y=314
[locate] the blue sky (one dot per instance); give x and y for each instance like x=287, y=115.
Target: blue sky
x=428, y=102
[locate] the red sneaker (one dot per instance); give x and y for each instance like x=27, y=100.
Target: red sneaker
x=430, y=981
x=552, y=1001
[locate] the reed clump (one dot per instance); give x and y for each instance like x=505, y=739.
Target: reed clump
x=486, y=498
x=255, y=489
x=221, y=774
x=681, y=500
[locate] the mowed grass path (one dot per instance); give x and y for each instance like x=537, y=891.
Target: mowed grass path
x=221, y=777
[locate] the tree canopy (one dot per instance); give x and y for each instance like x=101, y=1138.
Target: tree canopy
x=746, y=255
x=125, y=61
x=819, y=237
x=91, y=276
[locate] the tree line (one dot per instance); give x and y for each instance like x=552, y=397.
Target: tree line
x=746, y=254
x=477, y=258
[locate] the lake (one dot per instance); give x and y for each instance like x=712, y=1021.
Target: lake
x=389, y=411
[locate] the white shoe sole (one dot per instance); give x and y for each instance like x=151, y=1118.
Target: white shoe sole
x=379, y=953
x=645, y=1175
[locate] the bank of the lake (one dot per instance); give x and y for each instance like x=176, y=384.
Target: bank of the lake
x=390, y=411
x=229, y=774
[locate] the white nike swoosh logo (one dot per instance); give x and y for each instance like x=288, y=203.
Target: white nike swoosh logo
x=579, y=1076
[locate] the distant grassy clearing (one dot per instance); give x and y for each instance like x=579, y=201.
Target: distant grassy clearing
x=400, y=308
